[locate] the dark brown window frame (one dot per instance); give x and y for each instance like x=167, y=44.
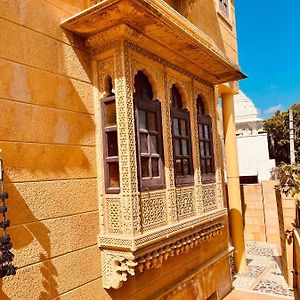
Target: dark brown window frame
x=109, y=159
x=149, y=106
x=182, y=114
x=202, y=121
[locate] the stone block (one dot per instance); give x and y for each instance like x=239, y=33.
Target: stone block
x=35, y=86
x=41, y=240
x=31, y=48
x=50, y=199
x=35, y=162
x=33, y=124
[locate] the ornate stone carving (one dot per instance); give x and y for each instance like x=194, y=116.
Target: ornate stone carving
x=185, y=202
x=209, y=197
x=117, y=265
x=153, y=208
x=113, y=215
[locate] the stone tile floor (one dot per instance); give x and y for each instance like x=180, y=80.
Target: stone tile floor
x=264, y=273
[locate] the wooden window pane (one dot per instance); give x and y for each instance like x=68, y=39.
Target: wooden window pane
x=144, y=143
x=203, y=166
x=183, y=128
x=114, y=177
x=142, y=119
x=202, y=152
x=178, y=168
x=155, y=169
x=184, y=147
x=154, y=146
x=200, y=131
x=112, y=143
x=152, y=121
x=208, y=166
x=110, y=114
x=186, y=167
x=207, y=149
x=145, y=166
x=175, y=126
x=177, y=147
x=206, y=132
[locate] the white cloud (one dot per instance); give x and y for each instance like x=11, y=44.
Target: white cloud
x=271, y=110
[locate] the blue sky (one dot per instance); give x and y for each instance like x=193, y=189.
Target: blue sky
x=269, y=52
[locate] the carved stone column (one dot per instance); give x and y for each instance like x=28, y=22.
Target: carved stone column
x=126, y=139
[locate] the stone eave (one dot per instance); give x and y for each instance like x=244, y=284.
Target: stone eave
x=153, y=22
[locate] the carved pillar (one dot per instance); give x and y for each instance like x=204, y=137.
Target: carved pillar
x=196, y=153
x=168, y=153
x=126, y=139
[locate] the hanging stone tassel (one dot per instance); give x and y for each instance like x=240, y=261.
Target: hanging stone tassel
x=6, y=256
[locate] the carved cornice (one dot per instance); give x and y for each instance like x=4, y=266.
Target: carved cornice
x=119, y=264
x=112, y=241
x=157, y=27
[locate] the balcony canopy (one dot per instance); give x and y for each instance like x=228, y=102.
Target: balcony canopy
x=158, y=28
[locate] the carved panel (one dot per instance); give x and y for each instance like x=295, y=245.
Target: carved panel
x=185, y=202
x=113, y=215
x=209, y=197
x=153, y=207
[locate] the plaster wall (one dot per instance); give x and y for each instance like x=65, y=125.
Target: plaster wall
x=253, y=156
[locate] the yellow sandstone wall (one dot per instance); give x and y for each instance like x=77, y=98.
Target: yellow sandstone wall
x=205, y=15
x=297, y=262
x=47, y=139
x=48, y=146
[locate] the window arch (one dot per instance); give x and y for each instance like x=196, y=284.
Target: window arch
x=110, y=138
x=205, y=142
x=148, y=134
x=181, y=132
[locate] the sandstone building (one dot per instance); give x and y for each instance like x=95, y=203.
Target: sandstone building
x=112, y=148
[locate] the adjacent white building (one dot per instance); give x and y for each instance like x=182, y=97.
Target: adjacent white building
x=252, y=142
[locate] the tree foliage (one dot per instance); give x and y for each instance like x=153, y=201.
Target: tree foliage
x=277, y=128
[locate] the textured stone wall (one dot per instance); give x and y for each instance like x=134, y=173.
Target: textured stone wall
x=205, y=14
x=47, y=141
x=47, y=137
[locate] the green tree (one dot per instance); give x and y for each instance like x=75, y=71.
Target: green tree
x=277, y=128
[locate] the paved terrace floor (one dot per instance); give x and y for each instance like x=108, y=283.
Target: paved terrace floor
x=263, y=279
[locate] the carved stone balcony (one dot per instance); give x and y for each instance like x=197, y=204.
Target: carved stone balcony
x=140, y=230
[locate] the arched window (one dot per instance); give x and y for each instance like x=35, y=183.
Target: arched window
x=110, y=136
x=149, y=134
x=182, y=151
x=205, y=143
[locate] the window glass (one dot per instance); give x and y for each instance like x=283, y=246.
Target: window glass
x=154, y=148
x=143, y=143
x=155, y=170
x=142, y=119
x=112, y=143
x=145, y=167
x=110, y=116
x=114, y=177
x=151, y=121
